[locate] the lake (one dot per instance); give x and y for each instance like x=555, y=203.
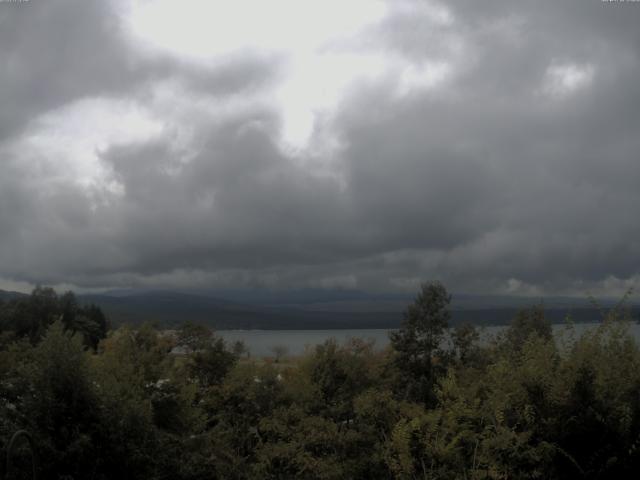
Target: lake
x=261, y=342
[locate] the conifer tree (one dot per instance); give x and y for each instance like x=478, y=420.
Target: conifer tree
x=417, y=354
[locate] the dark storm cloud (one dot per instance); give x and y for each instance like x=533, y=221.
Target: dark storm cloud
x=516, y=172
x=55, y=52
x=560, y=173
x=238, y=203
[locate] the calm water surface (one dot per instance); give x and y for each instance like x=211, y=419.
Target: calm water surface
x=262, y=342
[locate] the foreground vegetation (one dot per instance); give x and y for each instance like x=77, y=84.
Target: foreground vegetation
x=124, y=405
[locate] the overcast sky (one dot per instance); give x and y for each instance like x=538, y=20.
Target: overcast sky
x=334, y=144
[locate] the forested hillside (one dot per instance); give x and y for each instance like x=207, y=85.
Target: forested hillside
x=127, y=404
x=314, y=309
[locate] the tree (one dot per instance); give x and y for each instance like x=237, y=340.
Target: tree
x=194, y=336
x=63, y=409
x=528, y=322
x=279, y=352
x=340, y=373
x=30, y=316
x=209, y=359
x=418, y=357
x=92, y=323
x=211, y=364
x=465, y=338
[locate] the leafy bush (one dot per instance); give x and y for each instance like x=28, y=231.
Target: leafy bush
x=144, y=404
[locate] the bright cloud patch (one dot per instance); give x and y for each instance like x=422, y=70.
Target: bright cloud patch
x=67, y=143
x=561, y=80
x=206, y=28
x=324, y=45
x=419, y=78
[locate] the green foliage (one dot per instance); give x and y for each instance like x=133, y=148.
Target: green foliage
x=418, y=357
x=145, y=404
x=60, y=403
x=465, y=339
x=528, y=322
x=339, y=374
x=211, y=364
x=29, y=317
x=298, y=445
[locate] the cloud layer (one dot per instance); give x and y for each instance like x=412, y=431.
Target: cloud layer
x=493, y=146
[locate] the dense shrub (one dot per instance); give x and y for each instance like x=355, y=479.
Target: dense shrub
x=524, y=405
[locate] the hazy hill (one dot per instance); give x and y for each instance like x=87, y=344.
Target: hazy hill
x=318, y=309
x=5, y=295
x=313, y=309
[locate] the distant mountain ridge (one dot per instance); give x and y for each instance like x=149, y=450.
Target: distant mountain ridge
x=8, y=295
x=314, y=309
x=324, y=296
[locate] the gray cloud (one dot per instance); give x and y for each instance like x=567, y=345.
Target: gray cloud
x=57, y=52
x=516, y=172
